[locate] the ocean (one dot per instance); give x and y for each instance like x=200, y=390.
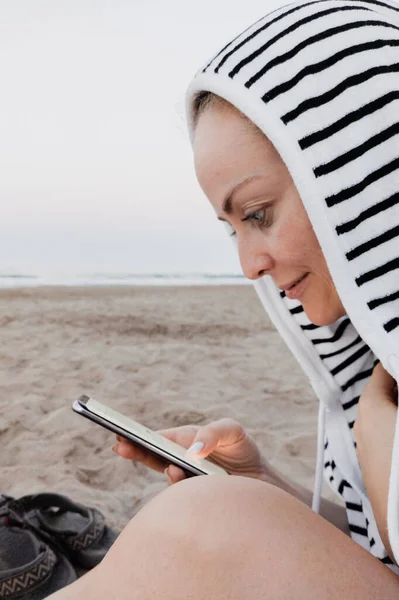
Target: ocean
x=127, y=279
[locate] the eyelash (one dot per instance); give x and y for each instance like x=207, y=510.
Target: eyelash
x=265, y=220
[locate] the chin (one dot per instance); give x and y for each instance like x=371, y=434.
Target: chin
x=323, y=315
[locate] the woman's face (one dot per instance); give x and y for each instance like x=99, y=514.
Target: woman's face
x=251, y=189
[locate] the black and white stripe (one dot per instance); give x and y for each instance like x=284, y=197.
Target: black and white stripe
x=351, y=362
x=328, y=70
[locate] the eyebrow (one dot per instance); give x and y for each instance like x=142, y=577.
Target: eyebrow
x=227, y=206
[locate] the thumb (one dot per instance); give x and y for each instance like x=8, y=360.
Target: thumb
x=219, y=434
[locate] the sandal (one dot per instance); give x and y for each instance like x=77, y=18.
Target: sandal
x=30, y=569
x=80, y=531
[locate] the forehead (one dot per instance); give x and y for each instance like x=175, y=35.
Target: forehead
x=229, y=148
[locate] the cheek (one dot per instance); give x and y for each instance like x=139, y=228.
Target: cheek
x=295, y=243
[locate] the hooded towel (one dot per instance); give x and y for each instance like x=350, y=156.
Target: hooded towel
x=321, y=80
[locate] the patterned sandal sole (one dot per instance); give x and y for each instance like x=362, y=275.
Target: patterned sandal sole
x=29, y=568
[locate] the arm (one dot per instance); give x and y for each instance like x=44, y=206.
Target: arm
x=374, y=432
x=330, y=511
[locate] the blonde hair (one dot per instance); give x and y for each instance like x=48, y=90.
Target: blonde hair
x=205, y=100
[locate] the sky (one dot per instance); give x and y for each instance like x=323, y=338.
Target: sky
x=95, y=162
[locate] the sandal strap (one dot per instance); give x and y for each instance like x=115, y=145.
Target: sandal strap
x=83, y=540
x=92, y=534
x=29, y=577
x=11, y=517
x=46, y=500
x=5, y=499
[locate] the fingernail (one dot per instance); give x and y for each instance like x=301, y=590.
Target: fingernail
x=167, y=471
x=196, y=448
x=115, y=448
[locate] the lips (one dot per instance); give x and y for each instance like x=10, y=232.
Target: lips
x=296, y=291
x=289, y=286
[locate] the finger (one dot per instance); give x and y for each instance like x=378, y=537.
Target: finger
x=170, y=482
x=180, y=435
x=175, y=474
x=183, y=436
x=130, y=451
x=217, y=435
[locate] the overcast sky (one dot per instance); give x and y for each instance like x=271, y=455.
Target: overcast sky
x=96, y=167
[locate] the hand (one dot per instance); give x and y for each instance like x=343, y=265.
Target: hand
x=225, y=442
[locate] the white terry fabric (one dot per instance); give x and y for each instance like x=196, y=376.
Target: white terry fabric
x=321, y=80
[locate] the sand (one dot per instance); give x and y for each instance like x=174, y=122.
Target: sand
x=166, y=357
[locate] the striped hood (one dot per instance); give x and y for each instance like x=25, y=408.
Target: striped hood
x=321, y=80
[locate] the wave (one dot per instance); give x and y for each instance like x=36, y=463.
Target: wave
x=17, y=276
x=144, y=279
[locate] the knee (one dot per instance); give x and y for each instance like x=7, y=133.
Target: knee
x=207, y=513
x=221, y=526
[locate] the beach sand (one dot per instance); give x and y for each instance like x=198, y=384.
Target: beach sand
x=166, y=357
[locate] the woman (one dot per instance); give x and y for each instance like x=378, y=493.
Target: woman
x=295, y=135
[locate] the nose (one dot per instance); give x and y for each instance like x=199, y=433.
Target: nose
x=255, y=260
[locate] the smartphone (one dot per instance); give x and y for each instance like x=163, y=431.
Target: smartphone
x=142, y=436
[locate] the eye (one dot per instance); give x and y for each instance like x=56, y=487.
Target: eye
x=263, y=217
x=229, y=228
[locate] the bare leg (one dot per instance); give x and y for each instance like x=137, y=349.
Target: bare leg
x=233, y=538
